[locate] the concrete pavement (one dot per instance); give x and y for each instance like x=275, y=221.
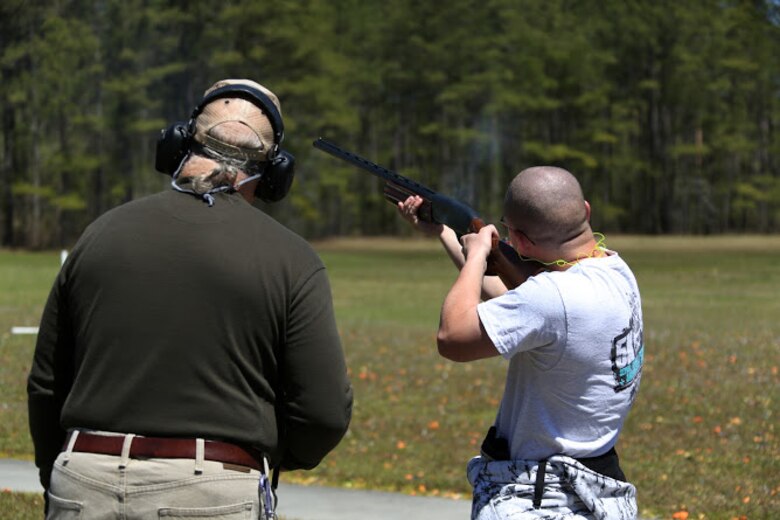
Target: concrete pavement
x=298, y=502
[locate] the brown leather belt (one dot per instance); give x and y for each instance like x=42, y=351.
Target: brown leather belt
x=167, y=448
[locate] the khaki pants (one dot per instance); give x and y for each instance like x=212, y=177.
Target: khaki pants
x=88, y=486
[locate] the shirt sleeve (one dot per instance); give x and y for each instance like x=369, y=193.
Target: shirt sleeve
x=530, y=316
x=317, y=391
x=49, y=381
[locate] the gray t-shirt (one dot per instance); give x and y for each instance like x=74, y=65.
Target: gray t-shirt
x=574, y=344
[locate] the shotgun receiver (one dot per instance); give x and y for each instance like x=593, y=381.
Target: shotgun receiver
x=503, y=261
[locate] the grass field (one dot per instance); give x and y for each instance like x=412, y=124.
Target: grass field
x=702, y=438
x=21, y=506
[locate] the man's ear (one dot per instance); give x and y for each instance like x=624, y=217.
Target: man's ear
x=587, y=211
x=521, y=240
x=248, y=190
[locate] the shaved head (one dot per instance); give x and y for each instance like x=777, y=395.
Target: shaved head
x=546, y=203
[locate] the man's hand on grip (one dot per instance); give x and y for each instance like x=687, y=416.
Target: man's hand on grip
x=477, y=246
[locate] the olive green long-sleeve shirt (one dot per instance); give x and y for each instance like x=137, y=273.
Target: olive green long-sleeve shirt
x=172, y=318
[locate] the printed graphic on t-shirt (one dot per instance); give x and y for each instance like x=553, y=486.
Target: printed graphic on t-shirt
x=628, y=351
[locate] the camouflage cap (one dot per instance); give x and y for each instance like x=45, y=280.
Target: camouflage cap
x=233, y=141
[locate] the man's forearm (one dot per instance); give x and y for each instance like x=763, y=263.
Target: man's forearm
x=463, y=297
x=449, y=241
x=48, y=437
x=491, y=286
x=461, y=336
x=308, y=440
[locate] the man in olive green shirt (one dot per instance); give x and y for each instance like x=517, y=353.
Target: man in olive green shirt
x=189, y=339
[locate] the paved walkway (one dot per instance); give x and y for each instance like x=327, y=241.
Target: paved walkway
x=302, y=502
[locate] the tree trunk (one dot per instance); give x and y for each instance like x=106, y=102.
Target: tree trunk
x=7, y=168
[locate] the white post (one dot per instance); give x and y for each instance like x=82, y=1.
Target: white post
x=24, y=330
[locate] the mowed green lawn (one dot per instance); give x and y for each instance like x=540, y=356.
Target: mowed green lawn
x=701, y=439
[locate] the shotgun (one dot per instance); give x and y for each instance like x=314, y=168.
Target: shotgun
x=503, y=261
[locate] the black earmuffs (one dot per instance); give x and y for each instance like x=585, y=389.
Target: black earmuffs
x=175, y=142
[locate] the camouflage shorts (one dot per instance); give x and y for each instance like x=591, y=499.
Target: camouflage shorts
x=568, y=491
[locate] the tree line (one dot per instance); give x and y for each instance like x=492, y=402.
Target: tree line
x=666, y=111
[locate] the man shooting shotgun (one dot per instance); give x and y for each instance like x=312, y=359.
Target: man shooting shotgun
x=437, y=209
x=571, y=334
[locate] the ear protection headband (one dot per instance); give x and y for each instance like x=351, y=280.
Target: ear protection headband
x=175, y=142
